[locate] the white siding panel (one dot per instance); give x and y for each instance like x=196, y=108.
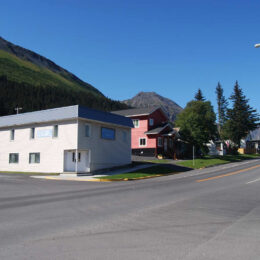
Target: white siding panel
x=51, y=149
x=105, y=153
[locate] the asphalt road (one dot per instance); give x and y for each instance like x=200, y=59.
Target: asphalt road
x=204, y=214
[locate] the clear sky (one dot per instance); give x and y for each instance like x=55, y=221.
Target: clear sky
x=123, y=47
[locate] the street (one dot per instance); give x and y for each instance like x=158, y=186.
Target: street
x=212, y=213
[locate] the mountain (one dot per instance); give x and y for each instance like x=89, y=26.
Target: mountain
x=24, y=71
x=23, y=65
x=147, y=99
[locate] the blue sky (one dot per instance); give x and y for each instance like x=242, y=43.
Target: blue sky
x=123, y=47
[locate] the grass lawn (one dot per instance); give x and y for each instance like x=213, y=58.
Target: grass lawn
x=142, y=173
x=30, y=173
x=159, y=161
x=215, y=160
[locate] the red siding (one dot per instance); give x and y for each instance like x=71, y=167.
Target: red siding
x=137, y=133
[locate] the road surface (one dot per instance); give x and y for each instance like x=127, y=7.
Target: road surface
x=204, y=214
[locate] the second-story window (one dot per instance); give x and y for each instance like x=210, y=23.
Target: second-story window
x=12, y=132
x=136, y=123
x=55, y=131
x=87, y=130
x=108, y=133
x=124, y=136
x=151, y=121
x=32, y=133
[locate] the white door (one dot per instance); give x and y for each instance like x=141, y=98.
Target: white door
x=83, y=161
x=70, y=161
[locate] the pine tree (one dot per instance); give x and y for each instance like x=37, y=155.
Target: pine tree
x=241, y=118
x=222, y=107
x=199, y=96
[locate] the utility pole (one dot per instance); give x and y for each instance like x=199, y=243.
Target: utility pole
x=17, y=109
x=193, y=155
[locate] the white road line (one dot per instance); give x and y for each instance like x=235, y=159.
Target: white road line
x=253, y=181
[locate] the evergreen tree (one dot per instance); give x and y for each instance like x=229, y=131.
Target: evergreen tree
x=199, y=96
x=38, y=97
x=222, y=107
x=241, y=118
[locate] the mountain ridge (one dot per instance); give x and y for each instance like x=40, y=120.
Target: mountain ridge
x=34, y=82
x=41, y=61
x=151, y=99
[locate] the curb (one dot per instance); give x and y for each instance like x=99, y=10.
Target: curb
x=140, y=178
x=107, y=180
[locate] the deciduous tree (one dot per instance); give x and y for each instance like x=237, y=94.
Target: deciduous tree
x=197, y=124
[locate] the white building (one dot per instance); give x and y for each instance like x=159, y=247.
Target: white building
x=67, y=139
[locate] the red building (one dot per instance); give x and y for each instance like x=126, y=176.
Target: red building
x=152, y=133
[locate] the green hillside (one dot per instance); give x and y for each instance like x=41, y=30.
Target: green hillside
x=22, y=71
x=34, y=82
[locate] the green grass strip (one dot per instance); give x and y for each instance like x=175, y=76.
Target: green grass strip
x=147, y=172
x=216, y=160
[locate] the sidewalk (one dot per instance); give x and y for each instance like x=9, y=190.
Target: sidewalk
x=74, y=177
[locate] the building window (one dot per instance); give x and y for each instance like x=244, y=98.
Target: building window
x=160, y=141
x=13, y=157
x=12, y=132
x=142, y=142
x=34, y=158
x=136, y=123
x=74, y=157
x=87, y=130
x=108, y=133
x=32, y=133
x=55, y=131
x=151, y=121
x=124, y=136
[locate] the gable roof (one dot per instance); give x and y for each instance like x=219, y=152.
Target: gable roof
x=156, y=130
x=143, y=111
x=64, y=113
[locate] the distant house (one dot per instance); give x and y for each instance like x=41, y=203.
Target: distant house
x=217, y=147
x=252, y=142
x=152, y=133
x=67, y=139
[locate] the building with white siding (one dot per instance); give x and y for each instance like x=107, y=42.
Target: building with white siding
x=66, y=139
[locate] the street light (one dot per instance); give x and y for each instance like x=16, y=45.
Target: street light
x=257, y=45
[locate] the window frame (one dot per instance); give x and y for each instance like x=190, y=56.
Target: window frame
x=110, y=139
x=74, y=159
x=32, y=133
x=151, y=120
x=142, y=138
x=138, y=123
x=124, y=135
x=55, y=131
x=12, y=134
x=35, y=161
x=10, y=154
x=89, y=130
